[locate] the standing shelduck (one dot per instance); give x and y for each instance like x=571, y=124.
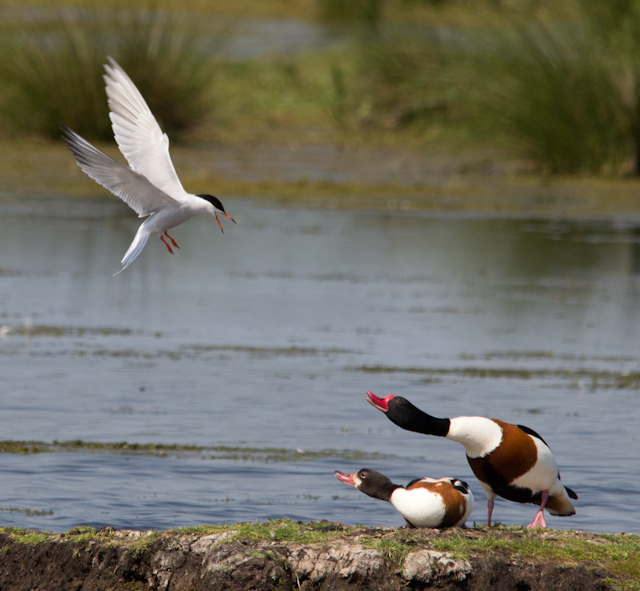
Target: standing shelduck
x=425, y=502
x=510, y=461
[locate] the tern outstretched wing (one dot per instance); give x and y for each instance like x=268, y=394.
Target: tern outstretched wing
x=133, y=188
x=138, y=134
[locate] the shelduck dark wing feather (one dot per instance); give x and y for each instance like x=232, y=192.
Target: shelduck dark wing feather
x=572, y=494
x=412, y=483
x=532, y=433
x=460, y=485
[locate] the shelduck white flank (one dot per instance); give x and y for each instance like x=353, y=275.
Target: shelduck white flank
x=510, y=461
x=425, y=502
x=151, y=186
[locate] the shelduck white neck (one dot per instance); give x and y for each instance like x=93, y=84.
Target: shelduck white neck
x=479, y=435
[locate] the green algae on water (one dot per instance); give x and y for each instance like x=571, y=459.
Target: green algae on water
x=218, y=452
x=582, y=378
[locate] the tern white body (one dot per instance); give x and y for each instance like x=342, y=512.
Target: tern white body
x=150, y=186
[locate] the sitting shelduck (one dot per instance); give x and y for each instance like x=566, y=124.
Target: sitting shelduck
x=424, y=503
x=510, y=461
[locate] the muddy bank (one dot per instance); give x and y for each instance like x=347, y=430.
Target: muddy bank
x=284, y=555
x=326, y=175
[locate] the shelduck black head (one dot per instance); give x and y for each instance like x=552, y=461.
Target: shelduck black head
x=407, y=416
x=369, y=482
x=398, y=409
x=217, y=207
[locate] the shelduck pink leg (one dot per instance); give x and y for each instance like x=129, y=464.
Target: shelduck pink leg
x=489, y=511
x=168, y=247
x=172, y=240
x=539, y=521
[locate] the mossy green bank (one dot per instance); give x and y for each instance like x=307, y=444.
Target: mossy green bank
x=616, y=555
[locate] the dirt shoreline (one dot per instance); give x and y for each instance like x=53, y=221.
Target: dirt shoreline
x=315, y=556
x=335, y=177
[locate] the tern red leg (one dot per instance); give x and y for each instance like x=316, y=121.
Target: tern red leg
x=172, y=240
x=168, y=247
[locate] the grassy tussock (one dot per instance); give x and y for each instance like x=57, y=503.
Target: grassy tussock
x=392, y=81
x=557, y=96
x=52, y=69
x=25, y=536
x=561, y=89
x=368, y=12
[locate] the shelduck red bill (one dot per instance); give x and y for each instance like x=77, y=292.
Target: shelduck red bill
x=346, y=478
x=379, y=403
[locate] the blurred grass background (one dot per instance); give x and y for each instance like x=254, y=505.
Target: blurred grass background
x=555, y=83
x=53, y=66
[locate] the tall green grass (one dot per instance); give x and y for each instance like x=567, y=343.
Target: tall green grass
x=407, y=78
x=368, y=12
x=556, y=95
x=52, y=67
x=565, y=91
x=562, y=90
x=394, y=81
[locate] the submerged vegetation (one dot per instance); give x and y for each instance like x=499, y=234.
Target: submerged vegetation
x=216, y=452
x=581, y=378
x=29, y=512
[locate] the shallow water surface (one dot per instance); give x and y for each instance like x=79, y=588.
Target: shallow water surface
x=269, y=336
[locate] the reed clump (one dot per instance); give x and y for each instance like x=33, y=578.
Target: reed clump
x=561, y=88
x=556, y=93
x=398, y=79
x=368, y=12
x=52, y=69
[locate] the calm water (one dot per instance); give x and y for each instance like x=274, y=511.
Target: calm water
x=270, y=335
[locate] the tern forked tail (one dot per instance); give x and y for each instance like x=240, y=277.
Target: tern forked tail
x=142, y=235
